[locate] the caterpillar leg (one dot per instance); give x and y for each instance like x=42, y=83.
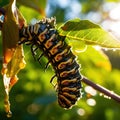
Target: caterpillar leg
x=22, y=41
x=55, y=85
x=33, y=50
x=47, y=65
x=40, y=56
x=51, y=81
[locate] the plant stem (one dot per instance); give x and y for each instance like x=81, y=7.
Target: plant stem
x=101, y=89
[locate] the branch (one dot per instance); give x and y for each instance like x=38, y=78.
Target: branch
x=101, y=89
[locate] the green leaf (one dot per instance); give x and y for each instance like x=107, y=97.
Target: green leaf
x=90, y=33
x=78, y=46
x=29, y=13
x=98, y=58
x=38, y=5
x=95, y=65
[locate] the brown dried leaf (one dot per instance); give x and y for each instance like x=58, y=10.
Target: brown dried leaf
x=13, y=53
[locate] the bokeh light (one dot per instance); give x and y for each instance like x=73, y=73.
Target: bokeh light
x=91, y=102
x=90, y=90
x=81, y=112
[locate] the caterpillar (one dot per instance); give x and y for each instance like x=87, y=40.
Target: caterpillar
x=45, y=37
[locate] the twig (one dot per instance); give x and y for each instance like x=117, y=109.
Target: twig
x=101, y=89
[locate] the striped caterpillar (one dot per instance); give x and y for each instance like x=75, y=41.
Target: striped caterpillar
x=45, y=37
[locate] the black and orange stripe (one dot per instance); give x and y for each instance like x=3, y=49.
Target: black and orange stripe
x=45, y=37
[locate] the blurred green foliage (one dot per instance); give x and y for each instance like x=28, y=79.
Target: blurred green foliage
x=3, y=2
x=34, y=98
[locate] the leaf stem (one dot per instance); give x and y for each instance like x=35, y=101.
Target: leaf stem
x=101, y=89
